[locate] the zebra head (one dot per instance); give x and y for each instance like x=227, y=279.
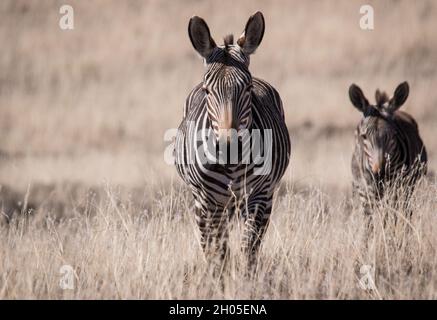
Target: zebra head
x=227, y=82
x=377, y=132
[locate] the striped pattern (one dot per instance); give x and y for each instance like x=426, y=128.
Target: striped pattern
x=388, y=148
x=220, y=190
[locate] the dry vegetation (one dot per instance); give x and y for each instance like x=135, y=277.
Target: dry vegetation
x=82, y=119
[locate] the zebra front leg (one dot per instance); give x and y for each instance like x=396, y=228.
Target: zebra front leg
x=256, y=222
x=364, y=197
x=404, y=205
x=213, y=229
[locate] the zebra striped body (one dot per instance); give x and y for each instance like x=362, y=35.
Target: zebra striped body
x=221, y=189
x=388, y=149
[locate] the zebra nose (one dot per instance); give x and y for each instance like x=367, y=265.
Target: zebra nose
x=227, y=135
x=377, y=161
x=376, y=167
x=228, y=121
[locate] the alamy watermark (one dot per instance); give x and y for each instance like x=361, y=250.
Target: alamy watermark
x=367, y=280
x=66, y=282
x=241, y=147
x=66, y=21
x=367, y=18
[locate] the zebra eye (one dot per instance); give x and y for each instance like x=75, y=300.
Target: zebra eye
x=364, y=136
x=205, y=89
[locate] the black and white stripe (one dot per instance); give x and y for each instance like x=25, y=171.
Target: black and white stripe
x=230, y=98
x=388, y=147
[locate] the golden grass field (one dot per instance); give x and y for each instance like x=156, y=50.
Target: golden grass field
x=82, y=172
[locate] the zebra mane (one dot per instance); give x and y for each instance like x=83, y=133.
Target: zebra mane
x=228, y=40
x=381, y=98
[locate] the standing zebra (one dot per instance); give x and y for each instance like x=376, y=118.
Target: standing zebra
x=226, y=103
x=388, y=148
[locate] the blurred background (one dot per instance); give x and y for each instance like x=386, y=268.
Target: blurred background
x=88, y=107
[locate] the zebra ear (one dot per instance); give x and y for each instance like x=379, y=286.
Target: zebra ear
x=253, y=33
x=200, y=36
x=357, y=98
x=399, y=97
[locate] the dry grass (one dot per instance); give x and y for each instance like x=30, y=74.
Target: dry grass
x=315, y=248
x=83, y=113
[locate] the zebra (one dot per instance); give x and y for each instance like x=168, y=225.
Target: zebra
x=230, y=100
x=389, y=151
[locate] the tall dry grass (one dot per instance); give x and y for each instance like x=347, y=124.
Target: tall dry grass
x=82, y=119
x=315, y=249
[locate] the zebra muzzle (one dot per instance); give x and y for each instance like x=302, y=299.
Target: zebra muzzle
x=376, y=168
x=377, y=162
x=228, y=135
